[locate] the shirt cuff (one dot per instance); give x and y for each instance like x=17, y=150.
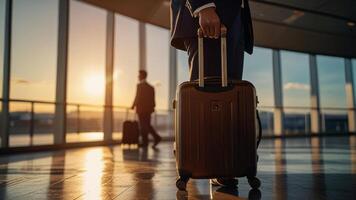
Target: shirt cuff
x=208, y=5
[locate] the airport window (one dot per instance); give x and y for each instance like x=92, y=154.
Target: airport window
x=258, y=70
x=34, y=49
x=126, y=60
x=86, y=71
x=331, y=72
x=353, y=61
x=157, y=46
x=2, y=31
x=86, y=61
x=33, y=71
x=183, y=66
x=158, y=63
x=126, y=63
x=296, y=91
x=295, y=75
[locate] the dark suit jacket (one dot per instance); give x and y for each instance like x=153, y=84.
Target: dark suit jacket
x=145, y=98
x=184, y=25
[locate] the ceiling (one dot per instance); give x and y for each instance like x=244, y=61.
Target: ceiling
x=313, y=26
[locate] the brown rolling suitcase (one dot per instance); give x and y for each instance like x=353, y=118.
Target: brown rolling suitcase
x=130, y=132
x=216, y=126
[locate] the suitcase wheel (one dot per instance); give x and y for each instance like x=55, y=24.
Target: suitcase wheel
x=255, y=194
x=181, y=183
x=254, y=182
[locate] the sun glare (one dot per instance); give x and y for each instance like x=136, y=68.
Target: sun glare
x=94, y=85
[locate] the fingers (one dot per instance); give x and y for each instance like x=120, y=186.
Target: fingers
x=217, y=31
x=211, y=29
x=210, y=23
x=205, y=29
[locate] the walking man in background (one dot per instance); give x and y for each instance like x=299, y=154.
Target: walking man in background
x=145, y=103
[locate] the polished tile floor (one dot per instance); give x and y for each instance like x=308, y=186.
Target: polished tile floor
x=289, y=169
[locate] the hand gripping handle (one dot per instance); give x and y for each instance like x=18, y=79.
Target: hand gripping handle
x=223, y=57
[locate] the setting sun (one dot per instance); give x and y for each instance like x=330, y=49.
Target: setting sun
x=94, y=85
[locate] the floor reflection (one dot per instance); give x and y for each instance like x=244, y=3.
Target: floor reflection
x=55, y=189
x=94, y=166
x=315, y=168
x=318, y=177
x=280, y=187
x=353, y=154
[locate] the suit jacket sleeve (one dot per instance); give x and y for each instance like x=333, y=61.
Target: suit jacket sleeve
x=195, y=4
x=154, y=99
x=136, y=97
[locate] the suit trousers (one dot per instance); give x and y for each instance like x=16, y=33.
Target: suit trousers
x=146, y=127
x=212, y=54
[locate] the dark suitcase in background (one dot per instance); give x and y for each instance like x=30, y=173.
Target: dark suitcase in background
x=216, y=127
x=130, y=132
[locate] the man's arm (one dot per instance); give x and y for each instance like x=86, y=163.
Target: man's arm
x=134, y=104
x=154, y=98
x=209, y=21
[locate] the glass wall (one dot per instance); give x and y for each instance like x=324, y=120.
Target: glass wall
x=33, y=75
x=295, y=75
x=353, y=62
x=34, y=49
x=296, y=91
x=183, y=66
x=157, y=41
x=86, y=59
x=86, y=67
x=331, y=71
x=2, y=31
x=126, y=60
x=33, y=70
x=158, y=63
x=126, y=63
x=258, y=70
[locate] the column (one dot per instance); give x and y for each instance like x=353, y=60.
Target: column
x=142, y=46
x=350, y=96
x=315, y=117
x=278, y=93
x=62, y=65
x=4, y=120
x=108, y=111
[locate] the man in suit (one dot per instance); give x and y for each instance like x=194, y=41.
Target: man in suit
x=188, y=15
x=145, y=103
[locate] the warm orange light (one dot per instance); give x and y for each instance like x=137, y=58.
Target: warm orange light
x=94, y=85
x=93, y=166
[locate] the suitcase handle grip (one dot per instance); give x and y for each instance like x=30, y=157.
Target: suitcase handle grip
x=223, y=32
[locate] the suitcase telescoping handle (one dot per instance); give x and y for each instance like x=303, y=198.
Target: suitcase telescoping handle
x=223, y=57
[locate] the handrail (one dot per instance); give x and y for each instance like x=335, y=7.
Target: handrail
x=167, y=110
x=306, y=108
x=76, y=104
